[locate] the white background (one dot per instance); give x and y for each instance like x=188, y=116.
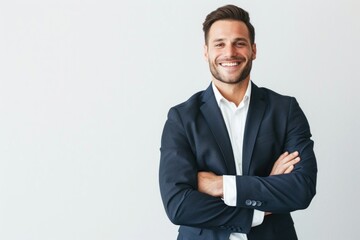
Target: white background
x=85, y=87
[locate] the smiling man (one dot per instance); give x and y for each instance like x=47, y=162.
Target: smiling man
x=228, y=50
x=236, y=159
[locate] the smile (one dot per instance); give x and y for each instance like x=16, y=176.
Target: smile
x=229, y=64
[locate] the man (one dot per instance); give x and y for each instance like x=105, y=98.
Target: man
x=230, y=163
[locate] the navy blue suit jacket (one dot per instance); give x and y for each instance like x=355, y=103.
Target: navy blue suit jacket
x=195, y=139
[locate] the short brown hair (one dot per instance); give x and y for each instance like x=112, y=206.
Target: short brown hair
x=230, y=12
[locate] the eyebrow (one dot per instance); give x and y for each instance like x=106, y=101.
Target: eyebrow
x=235, y=40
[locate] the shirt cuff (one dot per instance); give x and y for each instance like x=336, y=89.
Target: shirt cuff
x=230, y=198
x=229, y=189
x=258, y=218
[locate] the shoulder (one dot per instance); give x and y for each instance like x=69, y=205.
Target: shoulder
x=279, y=104
x=193, y=102
x=189, y=108
x=271, y=97
x=193, y=105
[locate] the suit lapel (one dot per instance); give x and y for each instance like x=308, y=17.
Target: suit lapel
x=214, y=118
x=253, y=121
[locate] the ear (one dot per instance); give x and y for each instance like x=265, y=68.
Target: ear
x=206, y=55
x=254, y=51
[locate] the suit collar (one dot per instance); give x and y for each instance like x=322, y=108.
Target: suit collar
x=214, y=118
x=253, y=121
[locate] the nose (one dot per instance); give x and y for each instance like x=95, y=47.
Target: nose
x=230, y=51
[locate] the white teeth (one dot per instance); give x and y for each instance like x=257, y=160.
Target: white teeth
x=229, y=64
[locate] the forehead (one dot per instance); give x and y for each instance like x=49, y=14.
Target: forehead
x=228, y=29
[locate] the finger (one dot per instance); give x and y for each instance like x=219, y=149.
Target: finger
x=290, y=157
x=291, y=162
x=284, y=162
x=280, y=159
x=289, y=169
x=295, y=154
x=282, y=156
x=286, y=167
x=289, y=166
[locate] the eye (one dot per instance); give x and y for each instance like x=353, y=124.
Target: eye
x=240, y=44
x=219, y=45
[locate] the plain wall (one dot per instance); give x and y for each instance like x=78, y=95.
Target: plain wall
x=85, y=87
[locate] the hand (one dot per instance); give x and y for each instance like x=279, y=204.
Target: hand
x=285, y=163
x=210, y=183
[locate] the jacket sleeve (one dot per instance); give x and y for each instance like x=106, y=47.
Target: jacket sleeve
x=185, y=205
x=287, y=192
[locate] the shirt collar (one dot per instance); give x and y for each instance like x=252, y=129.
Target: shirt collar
x=220, y=97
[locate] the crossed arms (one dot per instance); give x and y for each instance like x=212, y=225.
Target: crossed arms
x=212, y=184
x=190, y=174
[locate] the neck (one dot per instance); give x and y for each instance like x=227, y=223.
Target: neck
x=232, y=92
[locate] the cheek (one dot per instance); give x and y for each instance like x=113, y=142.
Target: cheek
x=212, y=52
x=213, y=56
x=251, y=55
x=209, y=58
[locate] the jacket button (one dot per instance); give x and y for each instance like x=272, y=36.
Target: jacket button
x=258, y=203
x=253, y=203
x=248, y=202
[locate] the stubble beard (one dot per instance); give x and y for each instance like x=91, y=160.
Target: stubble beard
x=242, y=76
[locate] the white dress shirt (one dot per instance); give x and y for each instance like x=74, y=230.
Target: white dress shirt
x=235, y=118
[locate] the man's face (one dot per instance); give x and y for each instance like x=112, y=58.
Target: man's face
x=229, y=51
